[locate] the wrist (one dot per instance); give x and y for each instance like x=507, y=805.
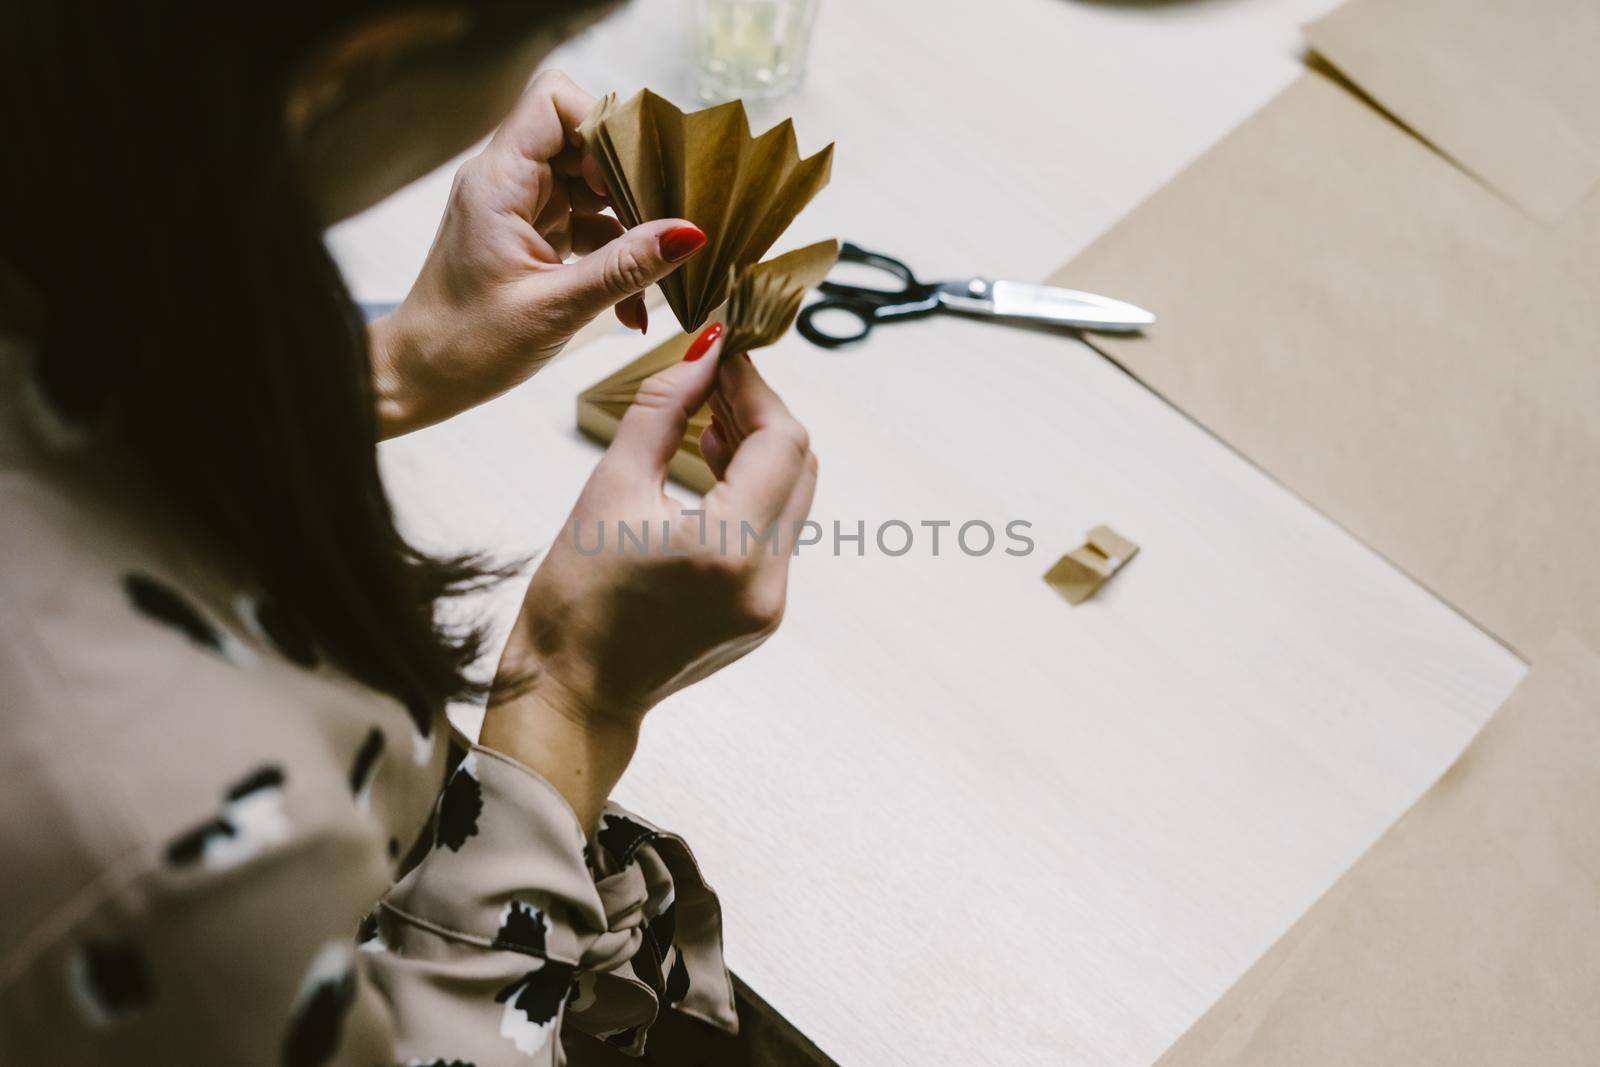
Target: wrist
x=566, y=673
x=580, y=753
x=385, y=343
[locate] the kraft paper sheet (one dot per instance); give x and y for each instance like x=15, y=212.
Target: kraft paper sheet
x=1401, y=346
x=1508, y=88
x=1469, y=934
x=762, y=305
x=704, y=166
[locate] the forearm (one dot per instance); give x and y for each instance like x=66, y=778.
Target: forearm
x=581, y=756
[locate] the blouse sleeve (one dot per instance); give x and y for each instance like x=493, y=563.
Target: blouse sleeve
x=508, y=930
x=504, y=929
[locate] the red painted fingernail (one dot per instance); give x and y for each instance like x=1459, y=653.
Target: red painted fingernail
x=703, y=343
x=644, y=319
x=681, y=242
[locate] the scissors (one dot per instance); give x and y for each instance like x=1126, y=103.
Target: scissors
x=913, y=299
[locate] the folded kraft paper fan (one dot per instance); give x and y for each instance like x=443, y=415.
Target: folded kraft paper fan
x=762, y=302
x=704, y=166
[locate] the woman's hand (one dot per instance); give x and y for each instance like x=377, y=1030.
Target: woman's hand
x=495, y=300
x=604, y=635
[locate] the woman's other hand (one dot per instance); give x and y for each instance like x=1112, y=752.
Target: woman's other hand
x=495, y=299
x=605, y=634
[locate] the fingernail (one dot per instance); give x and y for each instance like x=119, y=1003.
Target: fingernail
x=644, y=319
x=681, y=242
x=703, y=343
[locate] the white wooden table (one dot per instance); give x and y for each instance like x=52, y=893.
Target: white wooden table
x=953, y=819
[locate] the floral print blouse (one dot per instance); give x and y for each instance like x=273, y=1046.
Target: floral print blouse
x=217, y=849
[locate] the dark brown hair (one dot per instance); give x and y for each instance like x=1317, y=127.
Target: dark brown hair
x=189, y=314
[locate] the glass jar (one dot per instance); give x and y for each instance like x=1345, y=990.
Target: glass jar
x=751, y=49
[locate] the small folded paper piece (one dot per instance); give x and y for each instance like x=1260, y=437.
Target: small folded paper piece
x=1079, y=573
x=704, y=166
x=764, y=299
x=763, y=302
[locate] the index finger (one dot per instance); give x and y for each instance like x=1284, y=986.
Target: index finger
x=580, y=163
x=764, y=468
x=545, y=118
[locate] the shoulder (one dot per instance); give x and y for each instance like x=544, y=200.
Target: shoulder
x=156, y=731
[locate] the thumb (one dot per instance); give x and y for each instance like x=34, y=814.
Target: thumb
x=652, y=430
x=625, y=265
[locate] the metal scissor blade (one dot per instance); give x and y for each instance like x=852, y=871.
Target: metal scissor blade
x=1086, y=311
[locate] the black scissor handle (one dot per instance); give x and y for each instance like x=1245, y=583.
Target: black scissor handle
x=863, y=312
x=912, y=300
x=854, y=253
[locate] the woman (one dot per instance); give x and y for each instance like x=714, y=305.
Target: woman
x=227, y=825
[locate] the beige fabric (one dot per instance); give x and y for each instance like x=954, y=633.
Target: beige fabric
x=197, y=816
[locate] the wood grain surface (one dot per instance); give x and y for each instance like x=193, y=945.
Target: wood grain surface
x=955, y=820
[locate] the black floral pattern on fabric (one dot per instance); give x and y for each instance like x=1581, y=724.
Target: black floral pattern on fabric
x=366, y=761
x=112, y=980
x=645, y=965
x=522, y=930
x=459, y=807
x=267, y=776
x=318, y=1022
x=284, y=634
x=537, y=996
x=367, y=929
x=661, y=930
x=421, y=718
x=187, y=849
x=159, y=602
x=624, y=1038
x=621, y=837
x=663, y=926
x=251, y=819
x=677, y=986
